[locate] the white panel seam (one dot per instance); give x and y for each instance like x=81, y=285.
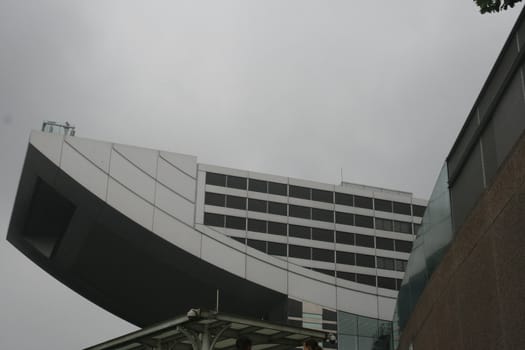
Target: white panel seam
x=176, y=167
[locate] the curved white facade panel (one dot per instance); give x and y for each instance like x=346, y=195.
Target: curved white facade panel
x=347, y=265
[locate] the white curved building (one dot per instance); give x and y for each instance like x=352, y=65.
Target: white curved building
x=148, y=234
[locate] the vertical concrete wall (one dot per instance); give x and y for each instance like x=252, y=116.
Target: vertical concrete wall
x=476, y=297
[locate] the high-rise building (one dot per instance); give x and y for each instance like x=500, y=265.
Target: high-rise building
x=149, y=234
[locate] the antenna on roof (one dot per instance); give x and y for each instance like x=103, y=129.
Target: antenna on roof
x=341, y=175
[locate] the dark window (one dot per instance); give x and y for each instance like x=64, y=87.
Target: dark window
x=236, y=222
x=344, y=218
x=325, y=271
x=363, y=202
x=214, y=199
x=256, y=205
x=322, y=255
x=345, y=258
x=297, y=251
x=383, y=205
x=322, y=196
x=329, y=315
x=299, y=231
x=277, y=188
x=398, y=283
x=403, y=227
x=236, y=182
x=239, y=239
x=215, y=179
x=384, y=243
x=383, y=224
x=277, y=208
x=322, y=215
x=385, y=282
x=349, y=276
x=276, y=228
x=401, y=265
x=364, y=221
x=402, y=208
x=416, y=228
x=257, y=225
x=418, y=210
x=299, y=192
x=344, y=199
x=277, y=249
x=385, y=263
x=366, y=279
x=213, y=219
x=257, y=244
x=329, y=327
x=321, y=234
x=236, y=202
x=364, y=240
x=257, y=185
x=299, y=211
x=365, y=260
x=295, y=323
x=403, y=246
x=295, y=308
x=344, y=237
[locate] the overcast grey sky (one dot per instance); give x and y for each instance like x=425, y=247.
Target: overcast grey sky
x=292, y=87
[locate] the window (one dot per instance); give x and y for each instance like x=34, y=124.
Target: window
x=277, y=208
x=329, y=315
x=349, y=276
x=277, y=249
x=325, y=271
x=365, y=260
x=215, y=179
x=236, y=222
x=399, y=282
x=214, y=199
x=299, y=231
x=297, y=251
x=256, y=205
x=364, y=240
x=236, y=202
x=344, y=199
x=257, y=244
x=295, y=308
x=277, y=188
x=276, y=228
x=322, y=255
x=255, y=225
x=403, y=227
x=366, y=279
x=364, y=221
x=322, y=215
x=401, y=265
x=321, y=234
x=403, y=246
x=418, y=210
x=299, y=192
x=383, y=205
x=383, y=224
x=236, y=182
x=345, y=258
x=344, y=218
x=299, y=211
x=322, y=196
x=385, y=282
x=239, y=239
x=363, y=202
x=257, y=185
x=384, y=243
x=213, y=219
x=385, y=263
x=402, y=208
x=344, y=237
x=416, y=228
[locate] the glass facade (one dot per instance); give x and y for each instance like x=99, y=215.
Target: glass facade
x=363, y=333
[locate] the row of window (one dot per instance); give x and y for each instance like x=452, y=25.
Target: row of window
x=381, y=282
x=313, y=194
x=325, y=255
x=299, y=211
x=314, y=233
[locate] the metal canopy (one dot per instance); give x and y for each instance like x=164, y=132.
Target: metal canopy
x=209, y=330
